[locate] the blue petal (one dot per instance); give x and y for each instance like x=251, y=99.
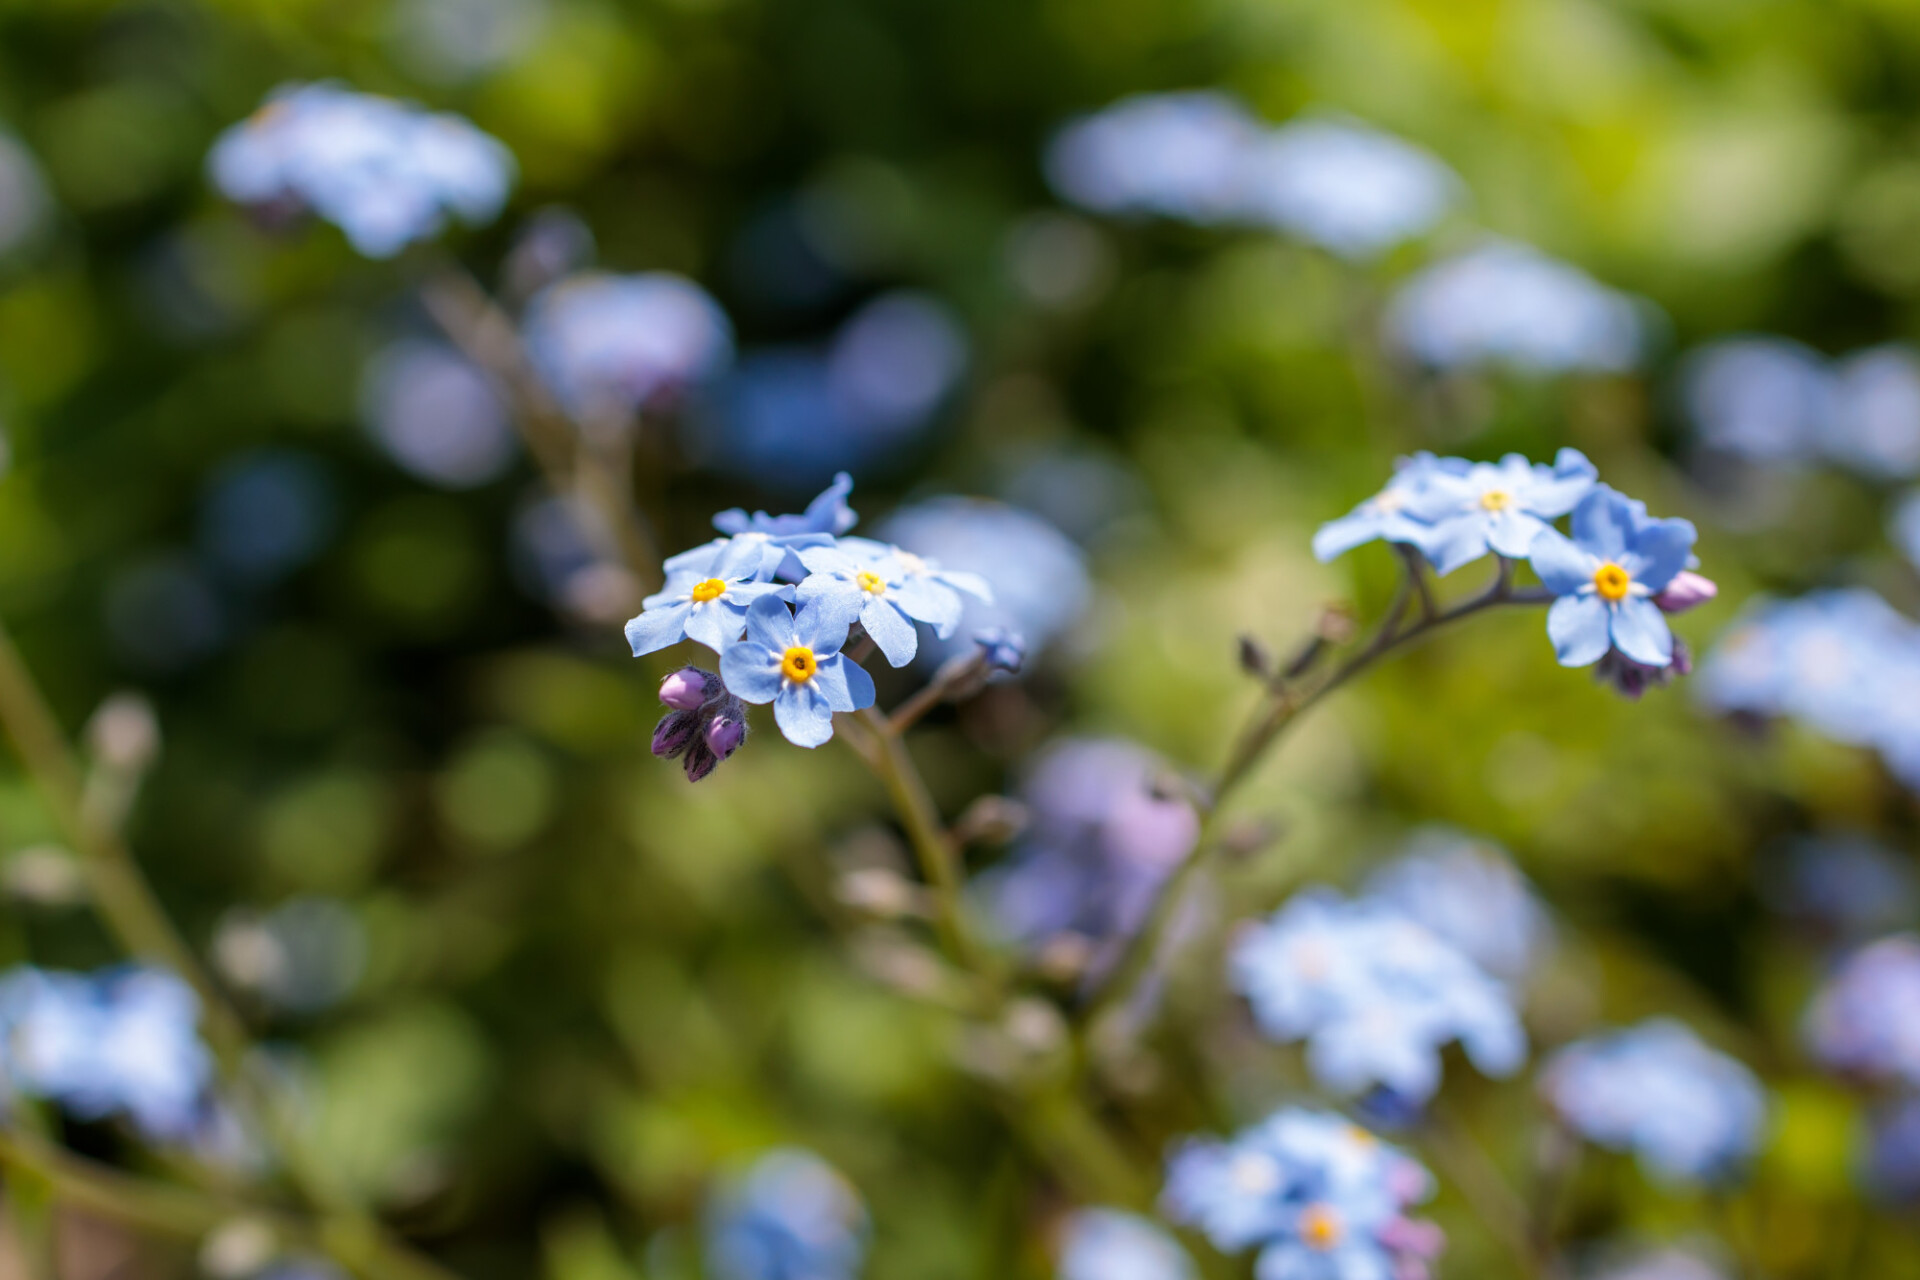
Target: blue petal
x=829, y=512
x=960, y=580
x=751, y=671
x=1289, y=1260
x=1337, y=537
x=1456, y=542
x=1563, y=567
x=1661, y=551
x=655, y=629
x=741, y=558
x=770, y=623
x=698, y=562
x=1640, y=631
x=1605, y=521
x=717, y=623
x=803, y=715
x=890, y=630
x=1445, y=495
x=844, y=683
x=867, y=552
x=827, y=559
x=932, y=602
x=1556, y=492
x=1512, y=532
x=822, y=626
x=1578, y=627
x=747, y=592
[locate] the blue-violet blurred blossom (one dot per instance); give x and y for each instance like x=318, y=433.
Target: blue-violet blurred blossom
x=795, y=663
x=1467, y=892
x=1343, y=186
x=1175, y=155
x=1003, y=651
x=1892, y=1163
x=1374, y=995
x=438, y=416
x=1510, y=305
x=607, y=343
x=1875, y=428
x=1605, y=576
x=706, y=597
x=1318, y=1196
x=1107, y=1244
x=385, y=172
x=1849, y=887
x=790, y=1217
x=1500, y=507
x=1866, y=1020
x=1758, y=397
x=1690, y=1113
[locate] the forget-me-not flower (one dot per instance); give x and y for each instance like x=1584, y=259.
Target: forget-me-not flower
x=1866, y=1020
x=706, y=597
x=1688, y=1112
x=1320, y=1197
x=1175, y=155
x=887, y=590
x=826, y=518
x=604, y=342
x=794, y=662
x=1354, y=190
x=1387, y=516
x=789, y=1217
x=1107, y=1244
x=385, y=172
x=1374, y=995
x=1467, y=892
x=1495, y=506
x=1605, y=578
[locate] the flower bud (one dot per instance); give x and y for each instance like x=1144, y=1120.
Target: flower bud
x=725, y=733
x=1002, y=649
x=675, y=733
x=700, y=761
x=1687, y=590
x=686, y=688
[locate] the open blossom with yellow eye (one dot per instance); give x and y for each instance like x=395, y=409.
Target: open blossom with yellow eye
x=1495, y=506
x=886, y=590
x=706, y=597
x=795, y=663
x=1606, y=578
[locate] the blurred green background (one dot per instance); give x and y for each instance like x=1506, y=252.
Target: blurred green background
x=585, y=985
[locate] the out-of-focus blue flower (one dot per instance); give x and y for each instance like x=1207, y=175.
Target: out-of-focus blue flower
x=706, y=597
x=1099, y=843
x=1688, y=1112
x=1875, y=427
x=607, y=343
x=790, y=1217
x=1106, y=1244
x=25, y=205
x=1849, y=887
x=1374, y=995
x=302, y=956
x=1903, y=526
x=887, y=590
x=1320, y=1197
x=1892, y=1164
x=1387, y=515
x=1003, y=651
x=789, y=417
x=1844, y=661
x=437, y=416
x=1346, y=187
x=1659, y=1264
x=1605, y=579
x=267, y=513
x=123, y=1041
x=1510, y=305
x=555, y=242
x=1175, y=155
x=1866, y=1020
x=385, y=172
x=1040, y=582
x=1758, y=397
x=1467, y=892
x=1500, y=507
x=794, y=662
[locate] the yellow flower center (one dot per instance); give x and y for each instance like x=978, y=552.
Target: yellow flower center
x=871, y=583
x=1319, y=1227
x=1361, y=1136
x=711, y=589
x=1612, y=582
x=798, y=664
x=1496, y=500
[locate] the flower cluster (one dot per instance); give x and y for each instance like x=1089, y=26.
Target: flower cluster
x=789, y=1217
x=1200, y=157
x=1315, y=1194
x=122, y=1041
x=783, y=642
x=1773, y=400
x=1690, y=1113
x=1375, y=996
x=1866, y=1020
x=1842, y=660
x=385, y=172
x=609, y=343
x=1106, y=1244
x=1613, y=582
x=1468, y=893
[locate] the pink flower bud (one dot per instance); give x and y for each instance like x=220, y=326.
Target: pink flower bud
x=1685, y=591
x=685, y=689
x=725, y=734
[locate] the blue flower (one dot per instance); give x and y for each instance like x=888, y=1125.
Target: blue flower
x=1106, y=1244
x=1386, y=516
x=1892, y=1163
x=1177, y=155
x=1866, y=1021
x=1605, y=579
x=1501, y=507
x=826, y=518
x=706, y=597
x=610, y=343
x=385, y=172
x=886, y=590
x=1320, y=1197
x=796, y=664
x=790, y=1217
x=1346, y=187
x=1374, y=995
x=1468, y=893
x=1689, y=1113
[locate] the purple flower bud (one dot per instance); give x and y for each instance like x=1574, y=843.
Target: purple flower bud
x=1003, y=650
x=1685, y=591
x=675, y=733
x=700, y=761
x=725, y=733
x=686, y=688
